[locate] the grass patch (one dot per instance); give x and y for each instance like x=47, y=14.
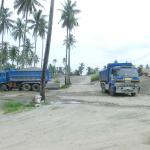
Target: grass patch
x=15, y=106
x=56, y=81
x=95, y=77
x=64, y=86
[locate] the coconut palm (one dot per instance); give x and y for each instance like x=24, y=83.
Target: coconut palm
x=13, y=53
x=27, y=53
x=32, y=58
x=5, y=54
x=69, y=43
x=5, y=22
x=25, y=7
x=37, y=24
x=18, y=31
x=47, y=49
x=36, y=58
x=64, y=63
x=69, y=21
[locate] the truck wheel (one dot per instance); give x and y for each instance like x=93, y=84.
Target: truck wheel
x=36, y=87
x=133, y=94
x=3, y=87
x=103, y=89
x=112, y=91
x=26, y=87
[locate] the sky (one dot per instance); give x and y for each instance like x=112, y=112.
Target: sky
x=108, y=30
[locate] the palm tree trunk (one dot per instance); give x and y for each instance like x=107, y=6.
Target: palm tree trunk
x=66, y=69
x=2, y=4
x=35, y=50
x=25, y=30
x=42, y=51
x=69, y=82
x=47, y=50
x=24, y=38
x=19, y=43
x=2, y=49
x=19, y=51
x=12, y=62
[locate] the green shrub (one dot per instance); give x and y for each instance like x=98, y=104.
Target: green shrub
x=15, y=106
x=95, y=77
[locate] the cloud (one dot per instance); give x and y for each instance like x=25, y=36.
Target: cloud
x=108, y=30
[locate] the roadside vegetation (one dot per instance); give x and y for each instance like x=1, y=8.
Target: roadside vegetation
x=94, y=77
x=64, y=86
x=15, y=106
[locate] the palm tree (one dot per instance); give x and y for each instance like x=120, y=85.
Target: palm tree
x=36, y=58
x=5, y=54
x=26, y=7
x=27, y=53
x=55, y=69
x=5, y=22
x=47, y=49
x=69, y=43
x=69, y=21
x=18, y=31
x=64, y=63
x=18, y=59
x=32, y=58
x=42, y=32
x=36, y=25
x=13, y=53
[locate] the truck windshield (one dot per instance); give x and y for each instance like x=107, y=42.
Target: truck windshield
x=126, y=72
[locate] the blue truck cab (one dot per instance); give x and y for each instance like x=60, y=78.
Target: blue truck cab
x=120, y=78
x=24, y=79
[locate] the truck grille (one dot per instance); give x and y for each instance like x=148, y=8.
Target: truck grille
x=126, y=84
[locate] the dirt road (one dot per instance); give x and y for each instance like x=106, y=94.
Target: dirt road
x=79, y=118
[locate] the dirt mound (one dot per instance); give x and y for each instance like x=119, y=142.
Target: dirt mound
x=145, y=85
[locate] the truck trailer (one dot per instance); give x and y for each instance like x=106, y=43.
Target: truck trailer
x=120, y=78
x=24, y=79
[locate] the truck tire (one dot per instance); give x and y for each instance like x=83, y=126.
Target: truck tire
x=133, y=94
x=103, y=88
x=112, y=91
x=36, y=87
x=26, y=87
x=3, y=87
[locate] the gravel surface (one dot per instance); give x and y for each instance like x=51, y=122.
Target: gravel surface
x=79, y=118
x=145, y=85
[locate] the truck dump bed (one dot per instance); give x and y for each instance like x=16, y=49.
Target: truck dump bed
x=26, y=75
x=103, y=75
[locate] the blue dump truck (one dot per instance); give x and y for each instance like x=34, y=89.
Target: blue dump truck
x=25, y=80
x=120, y=78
